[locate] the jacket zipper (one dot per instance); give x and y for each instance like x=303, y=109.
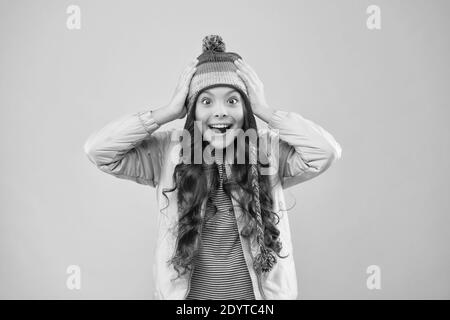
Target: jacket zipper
x=189, y=283
x=258, y=276
x=260, y=287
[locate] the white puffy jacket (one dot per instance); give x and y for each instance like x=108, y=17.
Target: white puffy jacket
x=132, y=148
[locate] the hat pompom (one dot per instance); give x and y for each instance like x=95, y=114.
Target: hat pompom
x=214, y=43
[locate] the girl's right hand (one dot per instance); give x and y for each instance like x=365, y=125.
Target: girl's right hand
x=177, y=104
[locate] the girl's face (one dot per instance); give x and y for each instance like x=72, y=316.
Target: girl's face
x=219, y=112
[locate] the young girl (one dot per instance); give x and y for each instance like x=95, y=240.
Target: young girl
x=223, y=229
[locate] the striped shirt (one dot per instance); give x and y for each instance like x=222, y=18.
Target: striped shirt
x=220, y=271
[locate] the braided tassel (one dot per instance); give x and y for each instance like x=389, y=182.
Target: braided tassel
x=265, y=259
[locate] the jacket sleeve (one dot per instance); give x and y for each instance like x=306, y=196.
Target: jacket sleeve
x=129, y=148
x=305, y=148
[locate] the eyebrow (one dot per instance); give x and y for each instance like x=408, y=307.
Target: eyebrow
x=231, y=90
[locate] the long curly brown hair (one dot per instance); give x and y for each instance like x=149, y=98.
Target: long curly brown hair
x=191, y=180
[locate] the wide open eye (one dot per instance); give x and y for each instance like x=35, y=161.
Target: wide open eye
x=233, y=99
x=205, y=101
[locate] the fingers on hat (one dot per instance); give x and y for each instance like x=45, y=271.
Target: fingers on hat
x=251, y=70
x=189, y=71
x=248, y=80
x=245, y=66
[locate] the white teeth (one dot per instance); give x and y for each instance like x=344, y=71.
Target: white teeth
x=219, y=126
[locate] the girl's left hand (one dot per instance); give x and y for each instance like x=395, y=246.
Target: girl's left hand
x=254, y=85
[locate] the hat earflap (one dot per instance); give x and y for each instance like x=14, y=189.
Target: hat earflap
x=265, y=259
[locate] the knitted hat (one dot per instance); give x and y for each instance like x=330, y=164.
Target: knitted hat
x=216, y=67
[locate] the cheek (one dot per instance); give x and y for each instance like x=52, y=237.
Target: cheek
x=200, y=115
x=239, y=116
x=201, y=119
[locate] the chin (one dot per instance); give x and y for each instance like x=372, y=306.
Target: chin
x=219, y=141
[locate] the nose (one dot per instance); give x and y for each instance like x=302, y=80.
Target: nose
x=220, y=111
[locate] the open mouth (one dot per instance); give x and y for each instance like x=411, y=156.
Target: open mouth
x=220, y=128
